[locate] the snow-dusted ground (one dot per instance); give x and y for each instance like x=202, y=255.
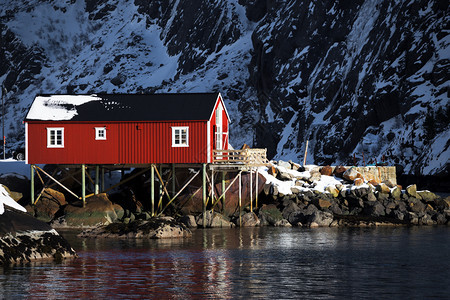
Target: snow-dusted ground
x=5, y=199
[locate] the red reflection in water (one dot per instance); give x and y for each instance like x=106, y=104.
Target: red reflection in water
x=137, y=274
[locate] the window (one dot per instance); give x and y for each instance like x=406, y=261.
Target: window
x=55, y=137
x=100, y=133
x=180, y=136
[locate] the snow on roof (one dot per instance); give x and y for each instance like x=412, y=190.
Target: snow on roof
x=123, y=107
x=5, y=199
x=58, y=107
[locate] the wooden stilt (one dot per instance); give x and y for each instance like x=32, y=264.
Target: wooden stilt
x=306, y=153
x=32, y=183
x=161, y=186
x=223, y=191
x=226, y=190
x=56, y=181
x=204, y=194
x=83, y=184
x=256, y=189
x=173, y=180
x=251, y=190
x=240, y=199
x=97, y=180
x=152, y=188
x=212, y=189
x=103, y=179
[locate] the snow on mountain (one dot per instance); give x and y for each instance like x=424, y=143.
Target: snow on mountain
x=351, y=77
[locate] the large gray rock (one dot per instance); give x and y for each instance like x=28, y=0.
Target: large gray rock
x=97, y=211
x=214, y=220
x=24, y=239
x=411, y=190
x=320, y=219
x=427, y=196
x=250, y=220
x=155, y=228
x=269, y=215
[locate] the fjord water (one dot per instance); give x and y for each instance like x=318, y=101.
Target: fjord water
x=271, y=263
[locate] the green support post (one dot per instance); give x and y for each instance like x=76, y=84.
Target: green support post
x=223, y=190
x=204, y=195
x=32, y=184
x=83, y=184
x=152, y=188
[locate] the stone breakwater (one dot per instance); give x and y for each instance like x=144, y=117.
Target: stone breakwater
x=24, y=239
x=341, y=196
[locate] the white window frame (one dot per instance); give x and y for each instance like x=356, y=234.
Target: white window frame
x=177, y=137
x=54, y=130
x=98, y=131
x=218, y=133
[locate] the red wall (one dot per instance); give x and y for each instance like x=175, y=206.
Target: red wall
x=126, y=143
x=225, y=126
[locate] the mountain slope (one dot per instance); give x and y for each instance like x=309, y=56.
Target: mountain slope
x=351, y=77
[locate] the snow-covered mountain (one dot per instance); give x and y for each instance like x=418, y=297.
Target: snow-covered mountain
x=349, y=76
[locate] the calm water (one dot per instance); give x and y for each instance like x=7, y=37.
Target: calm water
x=273, y=263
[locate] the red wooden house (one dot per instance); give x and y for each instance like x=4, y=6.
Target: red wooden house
x=126, y=129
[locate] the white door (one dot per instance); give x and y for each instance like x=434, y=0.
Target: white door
x=218, y=133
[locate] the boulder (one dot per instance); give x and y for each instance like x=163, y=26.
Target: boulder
x=315, y=176
x=268, y=188
x=296, y=167
x=155, y=228
x=189, y=221
x=326, y=170
x=427, y=196
x=283, y=223
x=18, y=185
x=295, y=189
x=97, y=211
x=289, y=209
x=443, y=204
x=321, y=203
x=47, y=206
x=351, y=174
x=374, y=209
x=396, y=193
x=269, y=214
x=358, y=181
x=389, y=183
x=272, y=171
x=213, y=220
x=284, y=164
x=383, y=188
x=320, y=219
x=339, y=171
x=411, y=190
x=250, y=220
x=371, y=196
x=333, y=190
x=412, y=218
x=283, y=174
x=24, y=238
x=415, y=205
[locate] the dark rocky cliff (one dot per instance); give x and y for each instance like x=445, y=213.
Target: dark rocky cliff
x=351, y=77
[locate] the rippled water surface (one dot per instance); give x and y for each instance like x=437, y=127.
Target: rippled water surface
x=273, y=263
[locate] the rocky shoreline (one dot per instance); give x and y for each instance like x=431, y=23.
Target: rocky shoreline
x=292, y=195
x=25, y=239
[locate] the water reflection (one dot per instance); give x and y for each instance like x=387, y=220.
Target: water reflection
x=280, y=263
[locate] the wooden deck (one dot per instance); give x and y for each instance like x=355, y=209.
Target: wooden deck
x=244, y=157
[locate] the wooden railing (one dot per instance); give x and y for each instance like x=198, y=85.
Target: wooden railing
x=248, y=157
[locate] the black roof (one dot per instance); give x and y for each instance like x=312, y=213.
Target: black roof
x=130, y=107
